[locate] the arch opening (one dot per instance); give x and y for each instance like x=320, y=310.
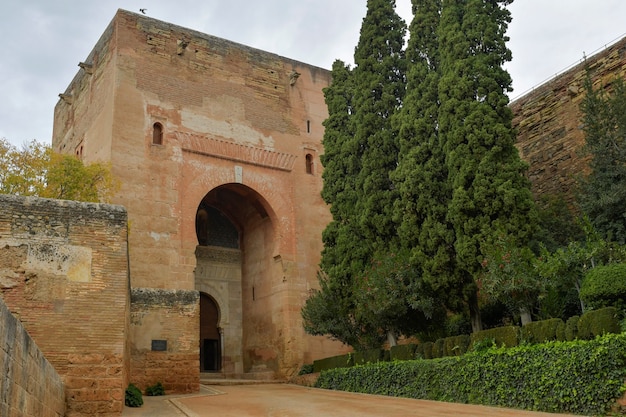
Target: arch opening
x=210, y=335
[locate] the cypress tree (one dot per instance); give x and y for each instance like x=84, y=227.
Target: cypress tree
x=361, y=150
x=490, y=196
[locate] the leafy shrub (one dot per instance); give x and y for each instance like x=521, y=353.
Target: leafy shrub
x=437, y=350
x=369, y=356
x=402, y=352
x=133, y=396
x=458, y=324
x=543, y=331
x=503, y=336
x=571, y=328
x=425, y=349
x=552, y=377
x=340, y=361
x=598, y=322
x=605, y=286
x=155, y=390
x=456, y=345
x=306, y=369
x=484, y=344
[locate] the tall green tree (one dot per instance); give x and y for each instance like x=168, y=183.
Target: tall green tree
x=490, y=196
x=602, y=194
x=421, y=175
x=379, y=85
x=360, y=152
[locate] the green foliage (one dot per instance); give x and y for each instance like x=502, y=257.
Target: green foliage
x=360, y=151
x=306, y=369
x=571, y=328
x=557, y=223
x=509, y=276
x=581, y=377
x=402, y=352
x=565, y=268
x=456, y=345
x=424, y=350
x=543, y=331
x=155, y=390
x=340, y=361
x=507, y=336
x=368, y=356
x=133, y=397
x=602, y=194
x=35, y=170
x=437, y=349
x=605, y=286
x=599, y=322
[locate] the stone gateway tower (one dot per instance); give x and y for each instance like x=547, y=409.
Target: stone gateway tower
x=217, y=149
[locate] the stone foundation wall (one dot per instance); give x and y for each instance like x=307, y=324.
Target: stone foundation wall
x=164, y=339
x=30, y=385
x=64, y=275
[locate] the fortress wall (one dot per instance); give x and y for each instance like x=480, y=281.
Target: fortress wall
x=64, y=275
x=549, y=122
x=30, y=385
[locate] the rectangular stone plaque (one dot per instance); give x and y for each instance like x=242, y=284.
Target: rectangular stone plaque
x=159, y=345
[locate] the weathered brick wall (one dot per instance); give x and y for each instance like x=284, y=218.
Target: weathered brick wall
x=549, y=122
x=170, y=316
x=64, y=275
x=30, y=387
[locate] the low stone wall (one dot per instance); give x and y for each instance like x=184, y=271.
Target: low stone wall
x=164, y=328
x=30, y=385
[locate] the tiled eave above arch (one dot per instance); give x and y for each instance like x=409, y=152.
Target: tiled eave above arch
x=205, y=145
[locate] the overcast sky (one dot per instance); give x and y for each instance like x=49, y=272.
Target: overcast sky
x=42, y=41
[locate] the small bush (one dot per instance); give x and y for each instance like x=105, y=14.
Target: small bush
x=426, y=349
x=543, y=331
x=369, y=356
x=402, y=352
x=598, y=322
x=155, y=390
x=437, y=350
x=605, y=286
x=456, y=345
x=133, y=396
x=503, y=336
x=340, y=361
x=306, y=369
x=571, y=328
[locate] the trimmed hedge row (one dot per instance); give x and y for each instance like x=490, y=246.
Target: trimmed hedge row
x=590, y=325
x=582, y=377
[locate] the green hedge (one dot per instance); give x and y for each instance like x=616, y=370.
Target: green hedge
x=456, y=345
x=340, y=361
x=571, y=328
x=369, y=356
x=598, y=322
x=582, y=377
x=503, y=336
x=402, y=352
x=543, y=331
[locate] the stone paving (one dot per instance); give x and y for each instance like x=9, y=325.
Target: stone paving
x=288, y=400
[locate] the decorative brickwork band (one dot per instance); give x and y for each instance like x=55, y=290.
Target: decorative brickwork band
x=204, y=145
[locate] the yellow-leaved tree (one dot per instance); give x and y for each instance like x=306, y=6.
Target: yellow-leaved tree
x=36, y=170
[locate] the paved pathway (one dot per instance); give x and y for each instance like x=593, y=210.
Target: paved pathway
x=287, y=400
